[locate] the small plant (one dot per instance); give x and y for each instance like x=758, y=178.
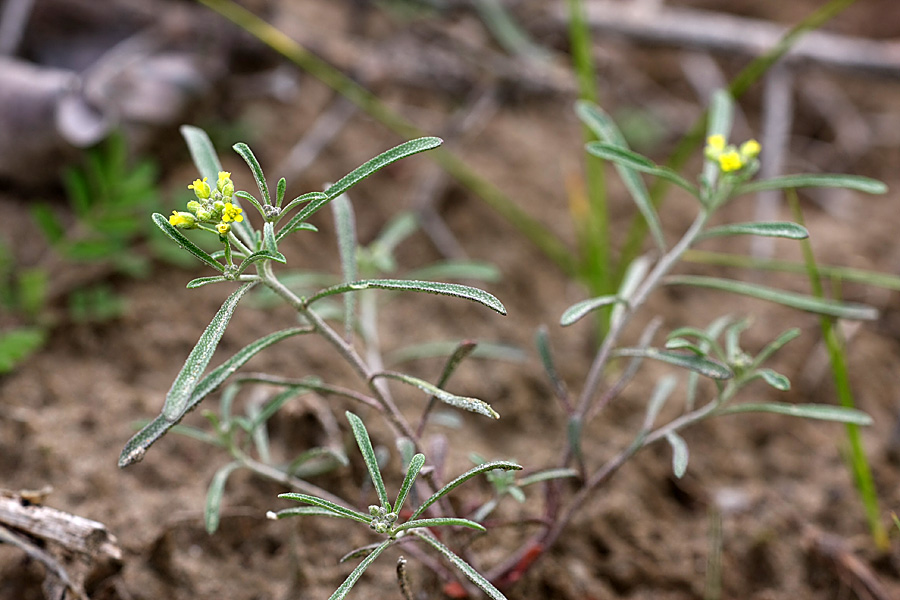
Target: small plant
x=247, y=257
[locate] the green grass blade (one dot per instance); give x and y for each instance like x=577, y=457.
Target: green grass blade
x=137, y=446
x=781, y=229
x=822, y=306
x=411, y=285
x=368, y=453
x=478, y=470
x=464, y=402
x=699, y=364
x=162, y=222
x=247, y=154
x=821, y=412
x=850, y=182
x=213, y=508
x=344, y=588
x=337, y=509
x=382, y=160
x=474, y=576
x=183, y=387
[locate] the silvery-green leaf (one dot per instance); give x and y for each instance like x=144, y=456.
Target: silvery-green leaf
x=415, y=465
x=464, y=402
x=850, y=182
x=368, y=453
x=302, y=511
x=547, y=475
x=680, y=454
x=137, y=446
x=779, y=229
x=638, y=162
x=245, y=152
x=774, y=346
x=700, y=364
x=823, y=306
x=474, y=576
x=163, y=223
x=201, y=281
x=635, y=273
x=721, y=115
x=337, y=509
x=318, y=201
x=411, y=285
x=580, y=309
x=382, y=160
x=822, y=412
x=344, y=588
x=316, y=461
x=258, y=256
x=438, y=522
x=679, y=343
x=605, y=129
x=279, y=192
x=345, y=224
x=270, y=245
x=775, y=379
x=214, y=496
x=661, y=393
x=474, y=471
x=307, y=197
x=183, y=387
x=251, y=199
x=458, y=269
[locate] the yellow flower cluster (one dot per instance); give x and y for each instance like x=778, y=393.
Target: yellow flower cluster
x=731, y=158
x=212, y=206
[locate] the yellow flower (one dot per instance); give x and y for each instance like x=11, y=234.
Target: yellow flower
x=224, y=184
x=716, y=142
x=232, y=213
x=750, y=149
x=182, y=220
x=730, y=161
x=223, y=228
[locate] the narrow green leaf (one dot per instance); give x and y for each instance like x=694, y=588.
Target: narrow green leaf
x=664, y=388
x=258, y=256
x=307, y=197
x=779, y=229
x=245, y=152
x=251, y=199
x=382, y=160
x=214, y=496
x=775, y=379
x=163, y=223
x=774, y=347
x=274, y=405
x=360, y=552
x=270, y=245
x=823, y=306
x=705, y=366
x=547, y=475
x=474, y=576
x=345, y=224
x=578, y=310
x=850, y=182
x=822, y=412
x=337, y=509
x=678, y=343
x=137, y=446
x=680, y=454
x=605, y=129
x=183, y=387
x=316, y=461
x=279, y=192
x=344, y=588
x=634, y=274
x=439, y=522
x=482, y=468
x=365, y=447
x=464, y=402
x=302, y=511
x=201, y=281
x=542, y=341
x=306, y=212
x=202, y=151
x=639, y=162
x=411, y=285
x=415, y=465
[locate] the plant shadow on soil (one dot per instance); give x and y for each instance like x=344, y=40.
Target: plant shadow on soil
x=778, y=485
